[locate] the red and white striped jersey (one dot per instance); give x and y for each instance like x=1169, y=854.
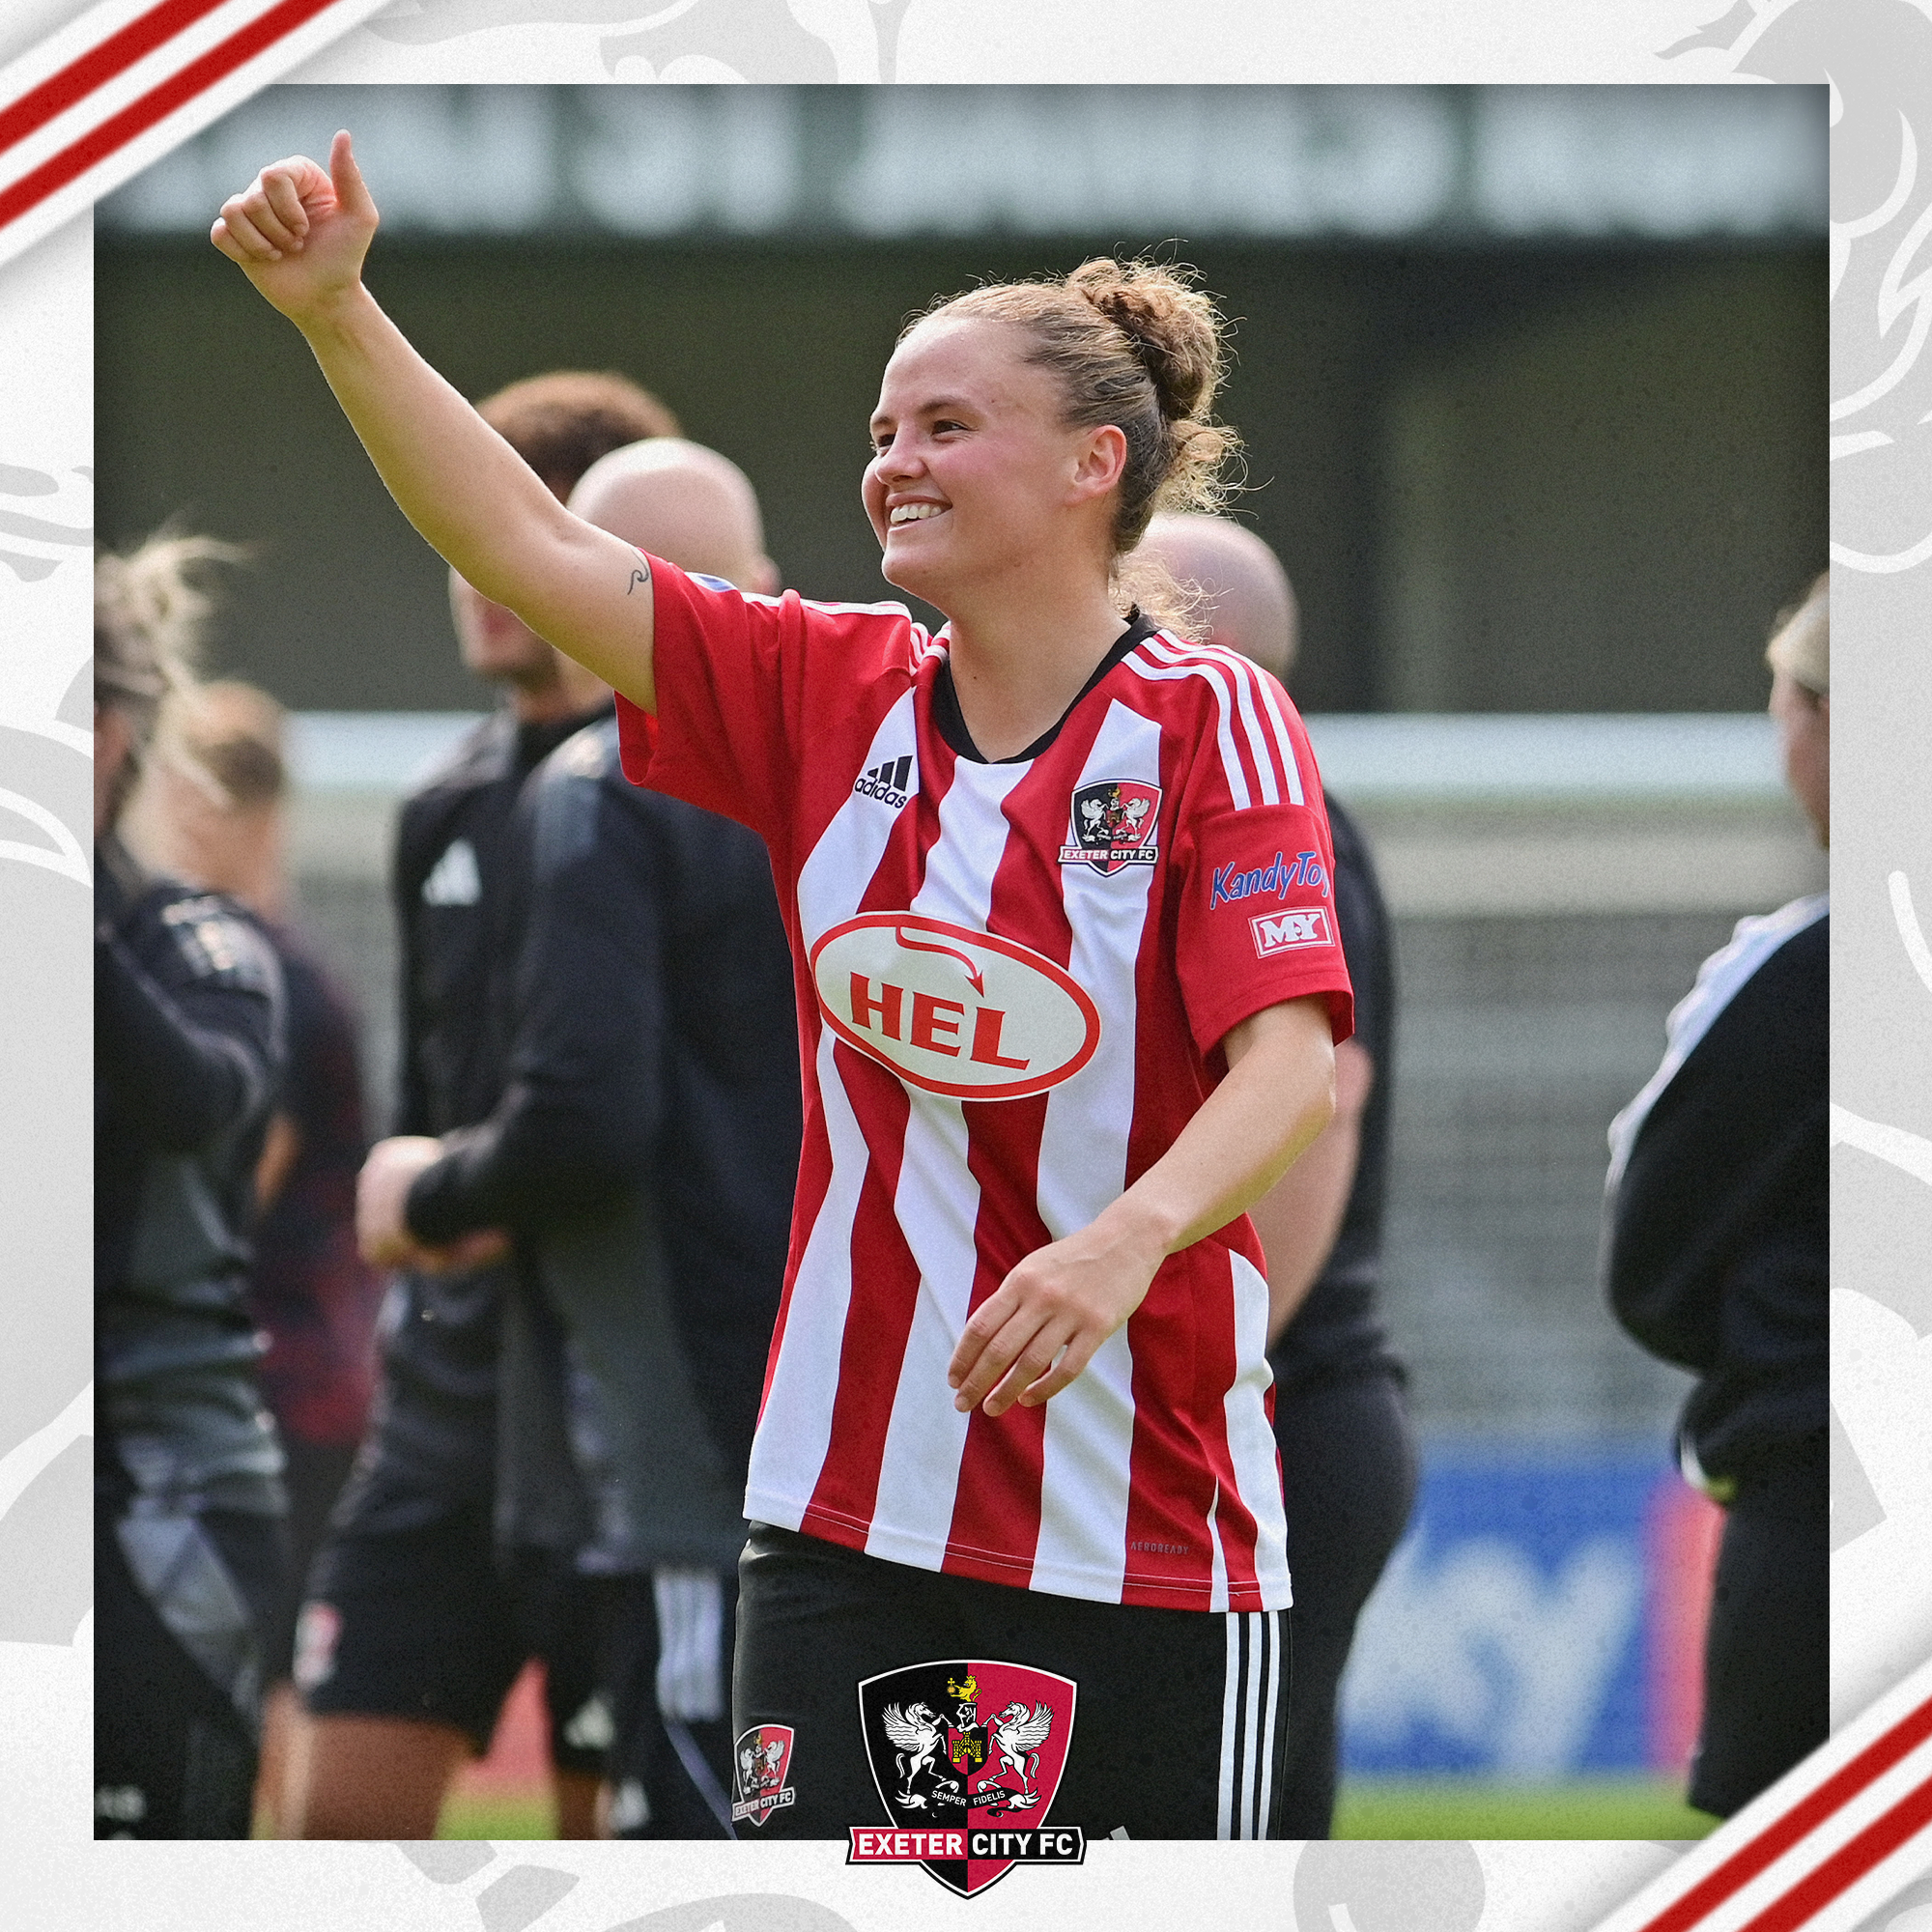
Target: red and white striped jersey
x=1014, y=980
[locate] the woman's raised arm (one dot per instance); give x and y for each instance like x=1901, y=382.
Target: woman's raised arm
x=300, y=233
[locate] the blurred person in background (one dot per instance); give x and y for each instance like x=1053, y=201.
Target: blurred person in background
x=1347, y=1451
x=212, y=810
x=412, y=1631
x=1717, y=1259
x=189, y=1537
x=644, y=1154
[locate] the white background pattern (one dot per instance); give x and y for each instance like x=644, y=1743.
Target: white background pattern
x=1878, y=54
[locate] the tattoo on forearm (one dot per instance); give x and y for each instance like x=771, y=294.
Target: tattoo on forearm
x=638, y=577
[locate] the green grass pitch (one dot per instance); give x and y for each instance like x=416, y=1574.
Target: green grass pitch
x=1600, y=1807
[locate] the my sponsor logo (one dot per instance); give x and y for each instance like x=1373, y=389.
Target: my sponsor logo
x=888, y=782
x=1285, y=931
x=967, y=1014
x=1279, y=876
x=967, y=1793
x=760, y=1761
x=1112, y=824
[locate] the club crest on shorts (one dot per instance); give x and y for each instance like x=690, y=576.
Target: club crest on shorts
x=1112, y=824
x=966, y=1757
x=760, y=1761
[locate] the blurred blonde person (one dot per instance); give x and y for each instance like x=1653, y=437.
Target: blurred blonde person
x=190, y=1542
x=213, y=809
x=1718, y=1260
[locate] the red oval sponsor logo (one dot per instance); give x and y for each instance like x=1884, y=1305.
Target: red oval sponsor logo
x=967, y=1014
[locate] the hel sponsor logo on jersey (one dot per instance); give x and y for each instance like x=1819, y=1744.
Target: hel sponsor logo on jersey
x=1284, y=932
x=1279, y=876
x=760, y=1761
x=1112, y=824
x=889, y=782
x=967, y=1014
x=966, y=1759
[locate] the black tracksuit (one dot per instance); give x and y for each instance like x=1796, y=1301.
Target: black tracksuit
x=411, y=1613
x=188, y=1501
x=644, y=1149
x=1717, y=1259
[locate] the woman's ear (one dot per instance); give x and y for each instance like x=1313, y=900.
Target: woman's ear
x=1099, y=461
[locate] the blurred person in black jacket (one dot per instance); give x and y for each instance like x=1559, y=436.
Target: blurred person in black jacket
x=414, y=1625
x=1717, y=1258
x=189, y=1550
x=643, y=1153
x=212, y=809
x=1341, y=1419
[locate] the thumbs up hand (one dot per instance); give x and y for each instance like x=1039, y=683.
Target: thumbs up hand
x=299, y=232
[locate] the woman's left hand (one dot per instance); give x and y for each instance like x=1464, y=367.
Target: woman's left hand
x=1041, y=1326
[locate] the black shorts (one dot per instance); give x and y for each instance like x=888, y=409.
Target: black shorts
x=428, y=1623
x=1349, y=1468
x=313, y=1477
x=666, y=1658
x=1179, y=1718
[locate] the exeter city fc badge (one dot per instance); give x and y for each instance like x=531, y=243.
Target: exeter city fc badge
x=761, y=1760
x=1112, y=824
x=966, y=1759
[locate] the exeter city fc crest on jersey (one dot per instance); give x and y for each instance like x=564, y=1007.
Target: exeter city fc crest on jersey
x=761, y=1759
x=1112, y=824
x=966, y=1759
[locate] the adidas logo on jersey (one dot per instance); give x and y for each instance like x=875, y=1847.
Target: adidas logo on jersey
x=455, y=881
x=887, y=783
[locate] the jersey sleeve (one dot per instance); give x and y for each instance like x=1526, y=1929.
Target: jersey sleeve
x=747, y=686
x=723, y=736
x=1256, y=920
x=192, y=1033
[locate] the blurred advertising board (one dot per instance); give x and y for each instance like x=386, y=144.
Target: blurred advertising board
x=1543, y=1618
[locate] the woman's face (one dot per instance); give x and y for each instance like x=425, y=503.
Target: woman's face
x=974, y=475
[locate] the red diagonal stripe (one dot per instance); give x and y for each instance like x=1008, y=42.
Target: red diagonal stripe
x=1804, y=1817
x=97, y=65
x=1849, y=1864
x=197, y=77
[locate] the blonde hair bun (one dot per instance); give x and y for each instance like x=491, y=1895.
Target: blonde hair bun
x=1172, y=326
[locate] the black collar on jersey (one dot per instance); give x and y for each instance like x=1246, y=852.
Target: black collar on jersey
x=950, y=723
